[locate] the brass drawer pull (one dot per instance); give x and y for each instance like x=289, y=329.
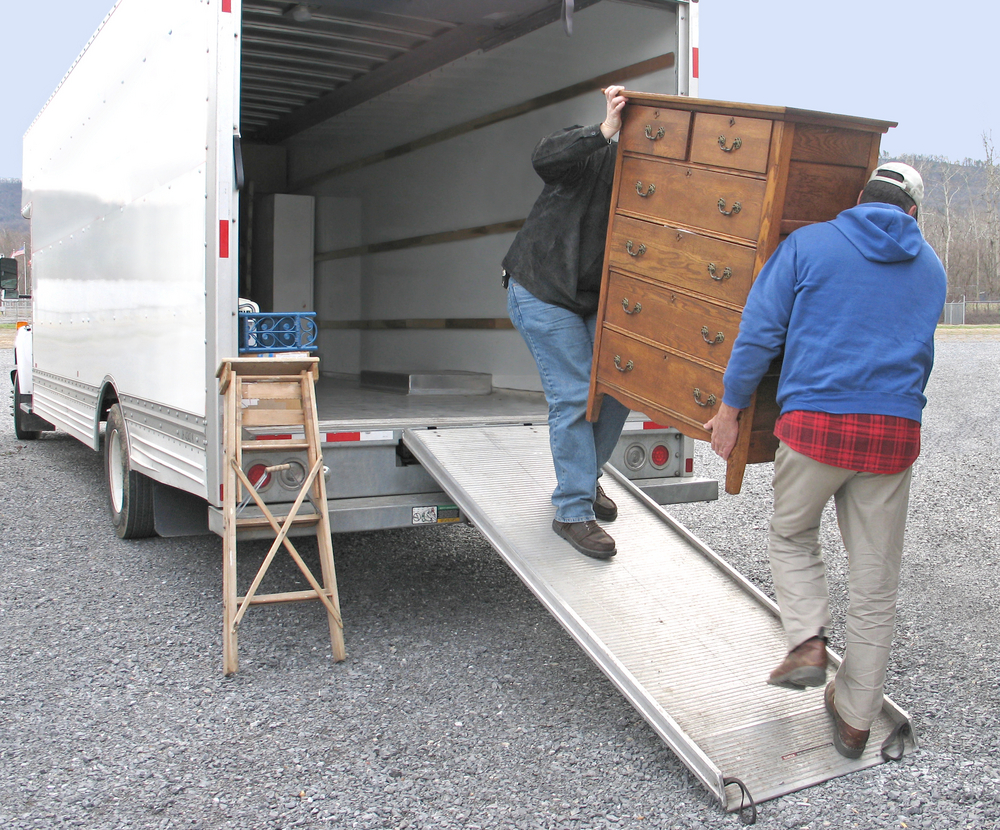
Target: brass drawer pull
x=719, y=336
x=649, y=191
x=737, y=207
x=639, y=252
x=618, y=364
x=737, y=143
x=649, y=133
x=727, y=272
x=635, y=310
x=697, y=397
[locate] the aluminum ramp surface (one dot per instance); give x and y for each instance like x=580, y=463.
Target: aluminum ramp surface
x=686, y=639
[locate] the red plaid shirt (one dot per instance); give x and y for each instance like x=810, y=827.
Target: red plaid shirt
x=867, y=443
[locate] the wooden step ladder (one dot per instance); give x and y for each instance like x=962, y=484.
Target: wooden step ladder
x=276, y=393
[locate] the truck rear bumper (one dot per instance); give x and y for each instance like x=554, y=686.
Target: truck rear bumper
x=435, y=508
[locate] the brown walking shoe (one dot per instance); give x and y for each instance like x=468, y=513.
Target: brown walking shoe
x=605, y=509
x=850, y=742
x=587, y=537
x=804, y=665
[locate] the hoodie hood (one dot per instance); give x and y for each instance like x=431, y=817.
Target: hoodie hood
x=882, y=233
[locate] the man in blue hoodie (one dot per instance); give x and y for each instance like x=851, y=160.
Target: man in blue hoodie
x=852, y=304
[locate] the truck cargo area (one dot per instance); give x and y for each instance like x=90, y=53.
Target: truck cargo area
x=376, y=482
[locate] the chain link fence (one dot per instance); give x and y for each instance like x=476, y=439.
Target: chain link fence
x=971, y=313
x=16, y=310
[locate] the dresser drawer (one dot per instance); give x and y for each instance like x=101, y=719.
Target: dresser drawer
x=720, y=202
x=655, y=132
x=735, y=142
x=674, y=319
x=687, y=391
x=718, y=269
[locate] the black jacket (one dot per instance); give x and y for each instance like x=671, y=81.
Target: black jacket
x=559, y=253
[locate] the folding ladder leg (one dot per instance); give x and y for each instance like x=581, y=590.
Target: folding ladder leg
x=324, y=536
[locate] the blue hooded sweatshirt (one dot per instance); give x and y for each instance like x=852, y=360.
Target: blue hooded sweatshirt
x=853, y=303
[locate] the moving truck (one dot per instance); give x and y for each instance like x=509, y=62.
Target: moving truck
x=347, y=172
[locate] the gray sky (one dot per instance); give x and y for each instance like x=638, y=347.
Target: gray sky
x=928, y=65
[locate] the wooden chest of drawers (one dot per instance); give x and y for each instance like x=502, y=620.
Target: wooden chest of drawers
x=704, y=192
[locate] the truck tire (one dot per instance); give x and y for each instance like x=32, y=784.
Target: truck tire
x=130, y=494
x=20, y=432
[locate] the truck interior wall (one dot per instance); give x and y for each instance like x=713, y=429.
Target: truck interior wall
x=338, y=284
x=476, y=179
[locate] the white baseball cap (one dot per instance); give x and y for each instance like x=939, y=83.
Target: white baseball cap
x=903, y=176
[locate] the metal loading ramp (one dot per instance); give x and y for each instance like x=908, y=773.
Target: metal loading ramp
x=686, y=639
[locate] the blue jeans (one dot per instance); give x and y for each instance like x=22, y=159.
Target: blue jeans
x=562, y=344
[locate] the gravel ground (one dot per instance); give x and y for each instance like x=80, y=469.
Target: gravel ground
x=462, y=704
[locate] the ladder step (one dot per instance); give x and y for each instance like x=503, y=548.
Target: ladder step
x=287, y=596
x=275, y=444
x=271, y=378
x=273, y=418
x=261, y=521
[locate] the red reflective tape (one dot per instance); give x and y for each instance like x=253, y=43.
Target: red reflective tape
x=224, y=239
x=651, y=425
x=332, y=437
x=274, y=438
x=689, y=466
x=694, y=62
x=227, y=6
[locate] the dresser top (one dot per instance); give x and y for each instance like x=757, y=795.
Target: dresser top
x=684, y=102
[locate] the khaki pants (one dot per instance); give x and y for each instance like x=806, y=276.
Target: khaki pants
x=871, y=513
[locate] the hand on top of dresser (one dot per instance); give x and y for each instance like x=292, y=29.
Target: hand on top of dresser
x=616, y=103
x=724, y=428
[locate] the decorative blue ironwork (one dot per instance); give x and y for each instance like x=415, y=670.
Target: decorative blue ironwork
x=264, y=333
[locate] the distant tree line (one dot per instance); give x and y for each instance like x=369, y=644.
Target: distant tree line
x=14, y=229
x=960, y=218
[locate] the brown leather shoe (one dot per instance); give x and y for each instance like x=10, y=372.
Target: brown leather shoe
x=605, y=509
x=587, y=537
x=850, y=742
x=804, y=665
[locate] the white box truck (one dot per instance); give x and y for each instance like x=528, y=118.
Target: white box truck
x=352, y=169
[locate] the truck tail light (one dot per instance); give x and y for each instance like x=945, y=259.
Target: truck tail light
x=660, y=456
x=259, y=476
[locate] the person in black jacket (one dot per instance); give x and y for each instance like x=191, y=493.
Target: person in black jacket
x=553, y=277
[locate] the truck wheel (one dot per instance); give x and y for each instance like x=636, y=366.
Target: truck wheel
x=20, y=432
x=130, y=494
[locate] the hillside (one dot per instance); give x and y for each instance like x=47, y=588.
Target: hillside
x=10, y=206
x=968, y=180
